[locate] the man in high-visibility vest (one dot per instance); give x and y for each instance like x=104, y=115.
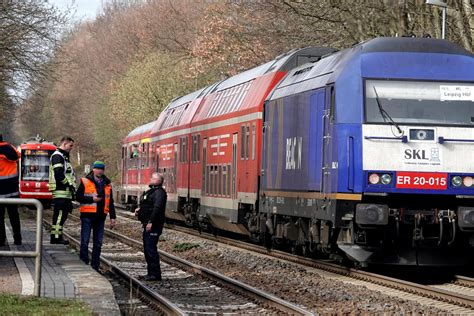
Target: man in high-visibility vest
x=62, y=183
x=9, y=189
x=95, y=196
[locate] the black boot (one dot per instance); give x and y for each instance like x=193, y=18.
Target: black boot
x=59, y=240
x=62, y=241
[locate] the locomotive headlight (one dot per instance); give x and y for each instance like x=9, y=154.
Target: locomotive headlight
x=371, y=214
x=467, y=181
x=421, y=134
x=386, y=178
x=466, y=218
x=374, y=178
x=456, y=181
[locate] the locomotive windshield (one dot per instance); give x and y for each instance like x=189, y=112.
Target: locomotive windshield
x=415, y=102
x=35, y=165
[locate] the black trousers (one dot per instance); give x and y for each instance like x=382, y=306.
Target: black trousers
x=152, y=257
x=61, y=208
x=14, y=221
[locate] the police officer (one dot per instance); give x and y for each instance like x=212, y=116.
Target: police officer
x=151, y=214
x=9, y=189
x=96, y=198
x=62, y=183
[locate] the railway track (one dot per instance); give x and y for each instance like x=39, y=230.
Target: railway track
x=187, y=288
x=457, y=295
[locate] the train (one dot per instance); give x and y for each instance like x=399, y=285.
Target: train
x=362, y=154
x=33, y=172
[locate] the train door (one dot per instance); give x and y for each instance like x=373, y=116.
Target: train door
x=175, y=168
x=324, y=148
x=234, y=166
x=328, y=185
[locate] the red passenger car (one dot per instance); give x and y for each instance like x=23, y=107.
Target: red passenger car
x=34, y=169
x=207, y=145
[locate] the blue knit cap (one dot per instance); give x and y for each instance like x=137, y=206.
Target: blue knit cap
x=98, y=165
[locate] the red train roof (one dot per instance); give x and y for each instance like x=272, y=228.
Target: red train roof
x=141, y=132
x=244, y=93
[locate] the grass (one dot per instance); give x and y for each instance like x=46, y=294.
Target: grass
x=185, y=246
x=29, y=305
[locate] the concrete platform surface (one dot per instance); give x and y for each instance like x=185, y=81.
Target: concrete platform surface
x=63, y=274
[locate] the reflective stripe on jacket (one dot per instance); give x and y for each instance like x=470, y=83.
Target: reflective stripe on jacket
x=64, y=188
x=90, y=190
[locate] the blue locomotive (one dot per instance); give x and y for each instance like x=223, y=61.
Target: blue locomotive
x=368, y=154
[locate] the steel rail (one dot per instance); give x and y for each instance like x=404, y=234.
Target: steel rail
x=154, y=298
x=406, y=286
x=402, y=285
x=260, y=295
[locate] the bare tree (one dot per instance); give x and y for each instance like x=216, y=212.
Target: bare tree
x=28, y=36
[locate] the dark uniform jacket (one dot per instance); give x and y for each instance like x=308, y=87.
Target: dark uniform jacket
x=59, y=171
x=152, y=207
x=100, y=193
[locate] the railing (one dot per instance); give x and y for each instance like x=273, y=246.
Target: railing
x=39, y=239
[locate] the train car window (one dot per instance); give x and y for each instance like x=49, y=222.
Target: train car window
x=211, y=180
x=332, y=113
x=247, y=141
x=219, y=180
x=242, y=142
x=208, y=180
x=183, y=149
x=193, y=148
x=424, y=102
x=224, y=180
x=153, y=157
x=254, y=139
x=216, y=180
x=228, y=180
x=147, y=155
x=198, y=150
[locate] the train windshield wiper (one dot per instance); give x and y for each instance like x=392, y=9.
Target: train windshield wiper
x=386, y=117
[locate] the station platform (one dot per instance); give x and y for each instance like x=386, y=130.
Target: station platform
x=63, y=274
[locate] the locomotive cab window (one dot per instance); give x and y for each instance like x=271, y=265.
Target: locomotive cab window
x=411, y=102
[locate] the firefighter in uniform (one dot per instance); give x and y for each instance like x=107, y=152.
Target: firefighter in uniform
x=95, y=196
x=62, y=183
x=9, y=189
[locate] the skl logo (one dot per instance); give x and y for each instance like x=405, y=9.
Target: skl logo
x=416, y=154
x=293, y=153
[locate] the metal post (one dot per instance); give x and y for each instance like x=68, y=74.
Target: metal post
x=443, y=29
x=443, y=5
x=39, y=239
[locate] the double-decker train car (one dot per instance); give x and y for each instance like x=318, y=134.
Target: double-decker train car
x=363, y=153
x=194, y=144
x=34, y=169
x=135, y=164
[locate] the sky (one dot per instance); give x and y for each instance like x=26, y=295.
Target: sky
x=84, y=9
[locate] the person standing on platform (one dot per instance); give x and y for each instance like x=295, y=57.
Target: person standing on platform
x=62, y=183
x=9, y=189
x=95, y=196
x=151, y=214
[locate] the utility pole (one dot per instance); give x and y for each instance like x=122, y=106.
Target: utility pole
x=443, y=5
